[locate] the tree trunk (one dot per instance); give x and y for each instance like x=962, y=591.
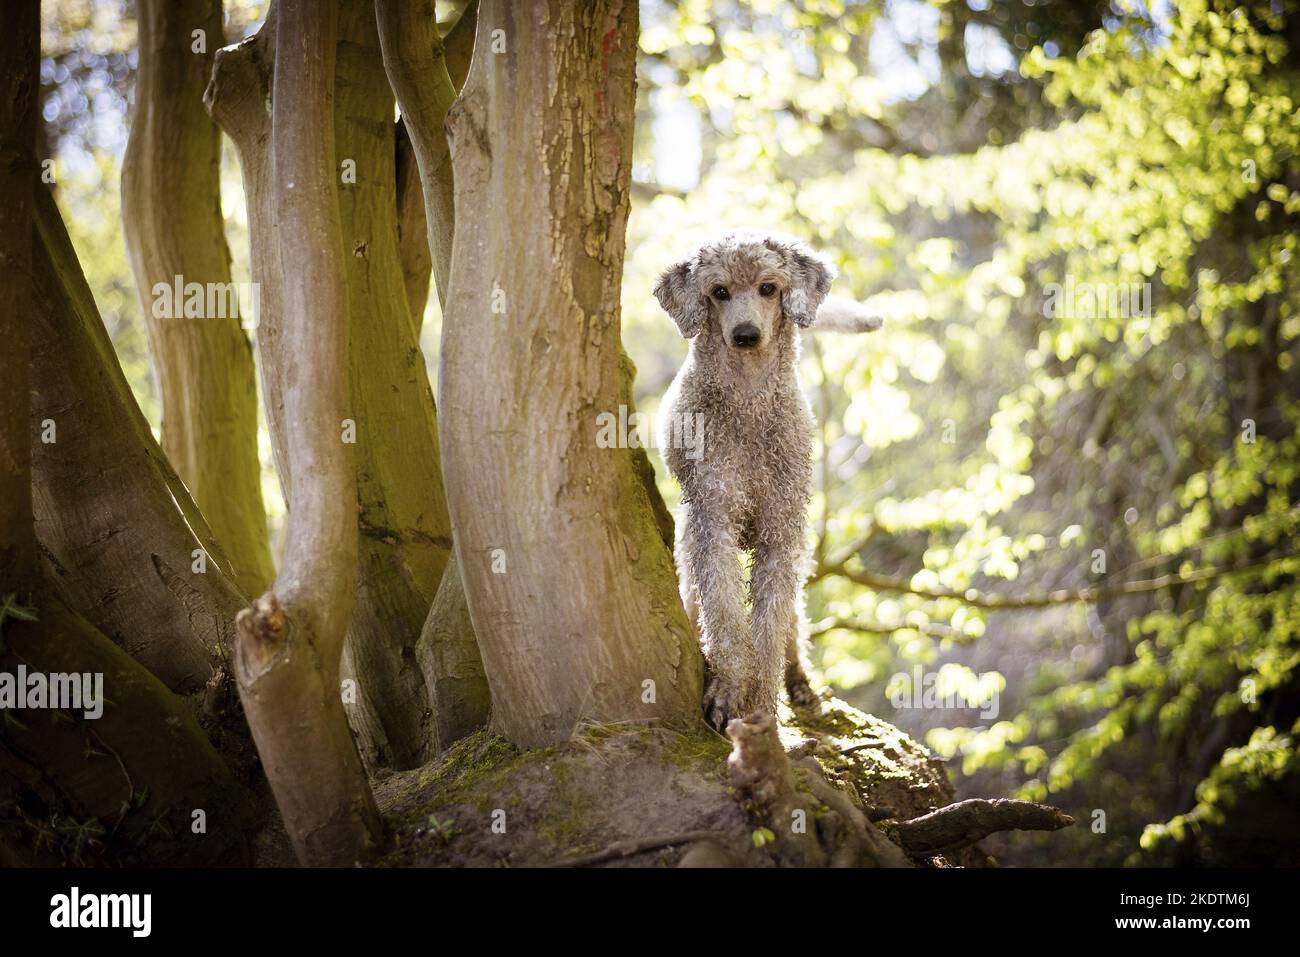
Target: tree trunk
x=171, y=211
x=124, y=543
x=418, y=80
x=19, y=62
x=571, y=588
x=420, y=68
x=129, y=775
x=405, y=530
x=412, y=233
x=291, y=640
x=417, y=69
x=238, y=97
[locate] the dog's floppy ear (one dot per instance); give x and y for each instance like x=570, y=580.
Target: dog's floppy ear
x=810, y=281
x=678, y=293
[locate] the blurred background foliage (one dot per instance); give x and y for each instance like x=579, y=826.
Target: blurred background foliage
x=1082, y=506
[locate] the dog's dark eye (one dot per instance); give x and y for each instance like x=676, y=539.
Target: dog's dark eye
x=767, y=289
x=721, y=294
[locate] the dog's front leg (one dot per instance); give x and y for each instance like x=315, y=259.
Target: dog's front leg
x=776, y=587
x=710, y=556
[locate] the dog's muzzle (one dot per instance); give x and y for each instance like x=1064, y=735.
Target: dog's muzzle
x=745, y=336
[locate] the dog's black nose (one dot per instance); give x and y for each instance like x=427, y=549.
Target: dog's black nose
x=745, y=336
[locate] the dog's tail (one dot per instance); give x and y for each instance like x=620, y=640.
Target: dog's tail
x=838, y=314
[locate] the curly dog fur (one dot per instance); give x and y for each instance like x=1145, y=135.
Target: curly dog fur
x=741, y=302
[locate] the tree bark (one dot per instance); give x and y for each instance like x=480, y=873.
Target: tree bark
x=412, y=231
x=416, y=65
x=459, y=699
x=571, y=589
x=19, y=72
x=130, y=774
x=405, y=530
x=425, y=73
x=123, y=542
x=171, y=210
x=291, y=639
x=238, y=97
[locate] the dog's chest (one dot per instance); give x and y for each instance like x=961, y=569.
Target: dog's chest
x=758, y=453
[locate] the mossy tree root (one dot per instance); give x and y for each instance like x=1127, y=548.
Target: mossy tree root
x=783, y=799
x=962, y=824
x=764, y=781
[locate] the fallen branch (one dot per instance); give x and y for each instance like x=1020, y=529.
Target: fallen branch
x=962, y=824
x=629, y=848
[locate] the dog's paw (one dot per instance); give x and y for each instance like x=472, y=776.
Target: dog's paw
x=724, y=699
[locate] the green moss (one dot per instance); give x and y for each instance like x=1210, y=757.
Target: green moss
x=566, y=818
x=889, y=757
x=701, y=751
x=469, y=761
x=478, y=758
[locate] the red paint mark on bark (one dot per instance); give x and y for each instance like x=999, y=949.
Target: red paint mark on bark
x=608, y=43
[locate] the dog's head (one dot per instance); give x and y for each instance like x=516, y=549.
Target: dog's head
x=745, y=286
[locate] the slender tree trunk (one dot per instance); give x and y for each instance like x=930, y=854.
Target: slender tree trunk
x=171, y=208
x=291, y=641
x=238, y=97
x=426, y=71
x=405, y=530
x=417, y=69
x=420, y=68
x=412, y=233
x=571, y=588
x=19, y=60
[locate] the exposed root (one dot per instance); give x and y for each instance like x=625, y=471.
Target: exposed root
x=774, y=789
x=962, y=824
x=765, y=781
x=761, y=774
x=864, y=846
